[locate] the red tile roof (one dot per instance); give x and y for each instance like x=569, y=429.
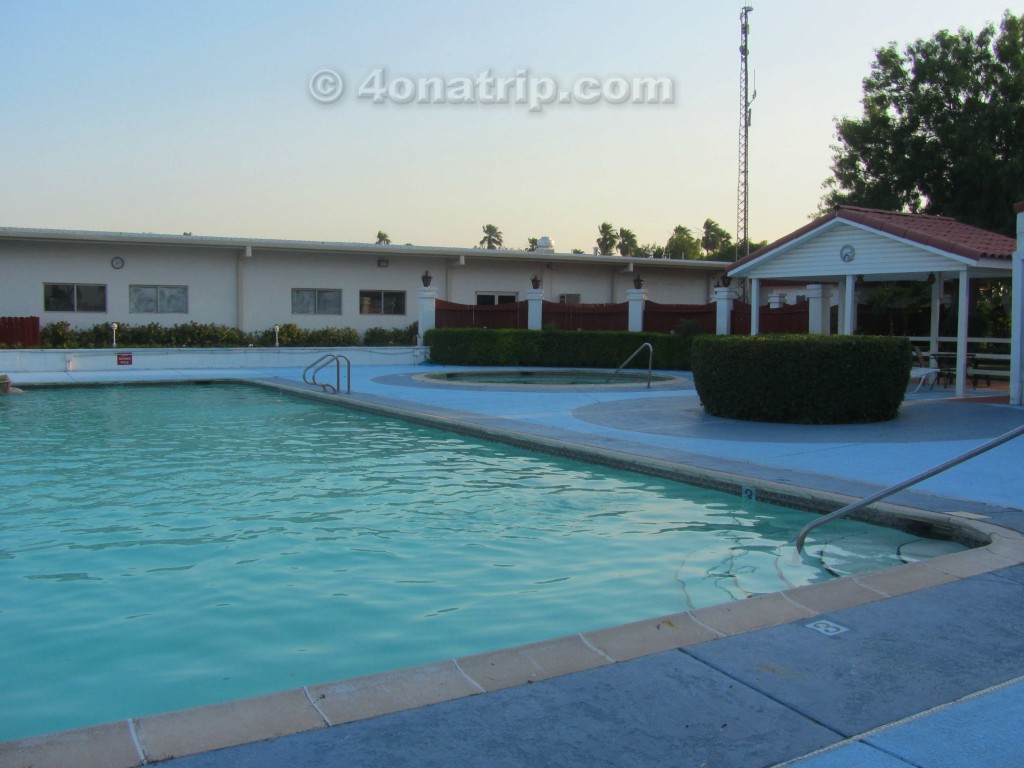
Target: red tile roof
x=940, y=232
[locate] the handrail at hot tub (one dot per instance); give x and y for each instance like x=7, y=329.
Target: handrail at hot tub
x=650, y=362
x=309, y=375
x=802, y=536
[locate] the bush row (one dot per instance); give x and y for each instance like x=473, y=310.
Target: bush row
x=62, y=335
x=802, y=379
x=552, y=348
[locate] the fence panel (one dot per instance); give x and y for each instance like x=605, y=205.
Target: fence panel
x=448, y=314
x=19, y=331
x=790, y=318
x=665, y=318
x=586, y=317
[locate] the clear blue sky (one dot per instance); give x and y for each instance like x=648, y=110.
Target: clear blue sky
x=188, y=115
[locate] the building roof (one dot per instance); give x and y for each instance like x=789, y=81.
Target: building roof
x=939, y=232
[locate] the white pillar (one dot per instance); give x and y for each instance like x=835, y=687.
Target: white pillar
x=427, y=298
x=724, y=298
x=962, y=307
x=818, y=309
x=535, y=309
x=1017, y=312
x=636, y=298
x=776, y=300
x=849, y=305
x=755, y=306
x=938, y=287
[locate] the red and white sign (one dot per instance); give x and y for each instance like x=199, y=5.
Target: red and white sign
x=124, y=358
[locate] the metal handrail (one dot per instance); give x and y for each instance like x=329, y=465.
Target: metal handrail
x=650, y=362
x=906, y=484
x=322, y=362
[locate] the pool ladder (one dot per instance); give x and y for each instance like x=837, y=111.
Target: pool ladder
x=650, y=362
x=309, y=375
x=802, y=536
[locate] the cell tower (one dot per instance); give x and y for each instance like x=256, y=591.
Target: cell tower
x=746, y=99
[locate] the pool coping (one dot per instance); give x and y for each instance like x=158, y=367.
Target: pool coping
x=144, y=740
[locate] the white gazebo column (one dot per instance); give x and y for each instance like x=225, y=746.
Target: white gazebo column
x=818, y=314
x=1017, y=312
x=635, y=297
x=937, y=289
x=724, y=298
x=755, y=306
x=962, y=307
x=427, y=300
x=848, y=306
x=535, y=309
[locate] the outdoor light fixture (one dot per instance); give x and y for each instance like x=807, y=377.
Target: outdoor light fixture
x=277, y=330
x=638, y=281
x=535, y=281
x=426, y=277
x=931, y=278
x=113, y=334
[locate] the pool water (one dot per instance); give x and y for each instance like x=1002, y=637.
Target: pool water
x=548, y=377
x=164, y=547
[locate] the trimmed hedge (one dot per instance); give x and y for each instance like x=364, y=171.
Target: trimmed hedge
x=556, y=349
x=61, y=335
x=802, y=379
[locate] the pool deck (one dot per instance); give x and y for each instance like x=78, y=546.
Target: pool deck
x=920, y=665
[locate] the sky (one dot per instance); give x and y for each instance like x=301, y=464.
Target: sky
x=210, y=117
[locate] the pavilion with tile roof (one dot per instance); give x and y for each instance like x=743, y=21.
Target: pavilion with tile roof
x=852, y=245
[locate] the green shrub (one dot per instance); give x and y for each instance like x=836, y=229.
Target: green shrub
x=391, y=337
x=556, y=349
x=802, y=379
x=61, y=335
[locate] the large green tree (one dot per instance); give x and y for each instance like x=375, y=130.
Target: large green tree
x=714, y=238
x=942, y=130
x=682, y=244
x=627, y=242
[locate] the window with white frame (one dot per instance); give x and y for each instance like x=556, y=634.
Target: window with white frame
x=74, y=297
x=487, y=299
x=316, y=301
x=568, y=298
x=382, y=302
x=162, y=299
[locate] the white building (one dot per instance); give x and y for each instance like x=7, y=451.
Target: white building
x=87, y=278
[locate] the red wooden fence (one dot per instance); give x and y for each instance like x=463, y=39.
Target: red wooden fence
x=791, y=318
x=665, y=318
x=586, y=317
x=448, y=314
x=19, y=331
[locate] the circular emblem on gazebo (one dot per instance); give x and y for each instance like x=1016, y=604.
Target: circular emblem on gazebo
x=847, y=252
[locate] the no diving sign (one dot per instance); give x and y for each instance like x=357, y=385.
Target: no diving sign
x=124, y=358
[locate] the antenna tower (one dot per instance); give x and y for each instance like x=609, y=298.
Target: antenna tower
x=746, y=99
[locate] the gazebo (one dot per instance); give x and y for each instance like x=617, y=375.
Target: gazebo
x=850, y=246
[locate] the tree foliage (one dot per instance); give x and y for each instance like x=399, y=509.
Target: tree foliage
x=382, y=238
x=941, y=131
x=628, y=244
x=492, y=239
x=682, y=244
x=607, y=239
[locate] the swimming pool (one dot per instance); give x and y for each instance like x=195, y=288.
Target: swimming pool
x=169, y=546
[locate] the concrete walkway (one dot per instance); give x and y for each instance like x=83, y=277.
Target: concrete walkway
x=918, y=667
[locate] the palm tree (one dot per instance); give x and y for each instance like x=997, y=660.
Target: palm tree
x=607, y=239
x=715, y=238
x=382, y=238
x=531, y=244
x=492, y=237
x=682, y=244
x=627, y=242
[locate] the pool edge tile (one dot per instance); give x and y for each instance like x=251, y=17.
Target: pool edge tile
x=369, y=696
x=759, y=612
x=509, y=667
x=905, y=578
x=644, y=638
x=834, y=595
x=203, y=729
x=102, y=746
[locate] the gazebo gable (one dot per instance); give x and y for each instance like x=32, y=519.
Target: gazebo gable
x=841, y=248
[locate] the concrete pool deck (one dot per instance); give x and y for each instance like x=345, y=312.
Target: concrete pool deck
x=921, y=665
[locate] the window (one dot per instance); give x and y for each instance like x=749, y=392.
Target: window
x=316, y=301
x=74, y=297
x=490, y=299
x=158, y=298
x=382, y=302
x=568, y=298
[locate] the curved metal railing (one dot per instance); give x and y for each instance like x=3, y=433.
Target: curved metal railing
x=802, y=536
x=309, y=375
x=650, y=362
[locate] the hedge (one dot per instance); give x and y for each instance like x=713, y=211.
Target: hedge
x=61, y=335
x=556, y=349
x=802, y=379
